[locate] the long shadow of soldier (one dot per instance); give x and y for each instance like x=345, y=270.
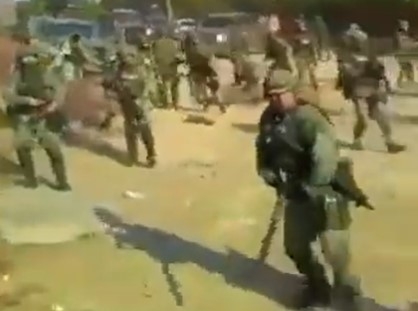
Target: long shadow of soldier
x=97, y=146
x=237, y=269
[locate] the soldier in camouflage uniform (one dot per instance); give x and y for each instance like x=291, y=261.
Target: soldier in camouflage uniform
x=129, y=84
x=280, y=52
x=297, y=154
x=75, y=54
x=305, y=56
x=363, y=80
x=202, y=76
x=404, y=41
x=322, y=38
x=30, y=99
x=166, y=52
x=239, y=50
x=146, y=63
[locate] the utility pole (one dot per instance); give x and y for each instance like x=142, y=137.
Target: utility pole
x=170, y=13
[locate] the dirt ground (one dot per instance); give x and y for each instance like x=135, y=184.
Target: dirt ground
x=188, y=243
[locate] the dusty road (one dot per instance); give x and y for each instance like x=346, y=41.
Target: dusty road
x=188, y=243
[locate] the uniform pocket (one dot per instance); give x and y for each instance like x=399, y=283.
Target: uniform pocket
x=337, y=214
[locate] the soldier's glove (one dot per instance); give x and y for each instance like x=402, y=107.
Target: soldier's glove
x=268, y=176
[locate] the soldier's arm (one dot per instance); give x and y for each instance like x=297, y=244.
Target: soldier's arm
x=320, y=140
x=11, y=96
x=261, y=161
x=291, y=59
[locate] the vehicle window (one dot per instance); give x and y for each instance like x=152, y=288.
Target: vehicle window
x=218, y=22
x=67, y=29
x=187, y=23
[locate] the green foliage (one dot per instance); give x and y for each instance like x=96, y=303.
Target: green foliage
x=92, y=10
x=55, y=7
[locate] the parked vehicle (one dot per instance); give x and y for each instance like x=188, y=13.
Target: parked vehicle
x=215, y=31
x=184, y=25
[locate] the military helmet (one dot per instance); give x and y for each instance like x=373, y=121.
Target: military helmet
x=280, y=81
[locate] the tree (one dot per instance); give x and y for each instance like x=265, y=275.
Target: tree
x=55, y=7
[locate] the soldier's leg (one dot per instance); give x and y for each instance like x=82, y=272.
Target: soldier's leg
x=410, y=74
x=131, y=140
x=50, y=142
x=174, y=90
x=162, y=91
x=147, y=137
x=237, y=71
x=24, y=156
x=23, y=143
x=312, y=76
x=336, y=249
x=300, y=232
x=380, y=113
x=213, y=85
x=360, y=126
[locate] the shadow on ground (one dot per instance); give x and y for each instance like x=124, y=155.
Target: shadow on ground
x=97, y=146
x=409, y=120
x=248, y=128
x=237, y=269
x=9, y=167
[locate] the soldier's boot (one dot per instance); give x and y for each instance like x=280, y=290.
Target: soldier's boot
x=25, y=159
x=147, y=138
x=317, y=292
x=174, y=90
x=316, y=295
x=348, y=298
x=394, y=147
x=216, y=100
x=58, y=167
x=237, y=79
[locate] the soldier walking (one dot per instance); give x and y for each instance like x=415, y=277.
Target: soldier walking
x=30, y=100
x=203, y=77
x=129, y=84
x=363, y=80
x=166, y=52
x=305, y=56
x=297, y=154
x=403, y=42
x=279, y=51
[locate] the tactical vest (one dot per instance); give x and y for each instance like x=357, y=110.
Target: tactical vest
x=283, y=148
x=33, y=80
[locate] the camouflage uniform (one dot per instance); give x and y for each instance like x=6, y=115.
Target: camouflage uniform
x=304, y=53
x=202, y=76
x=280, y=52
x=129, y=83
x=29, y=96
x=297, y=154
x=363, y=80
x=322, y=38
x=75, y=54
x=147, y=64
x=166, y=53
x=403, y=41
x=239, y=50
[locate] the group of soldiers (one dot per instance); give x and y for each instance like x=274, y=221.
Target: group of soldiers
x=138, y=77
x=298, y=155
x=297, y=149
